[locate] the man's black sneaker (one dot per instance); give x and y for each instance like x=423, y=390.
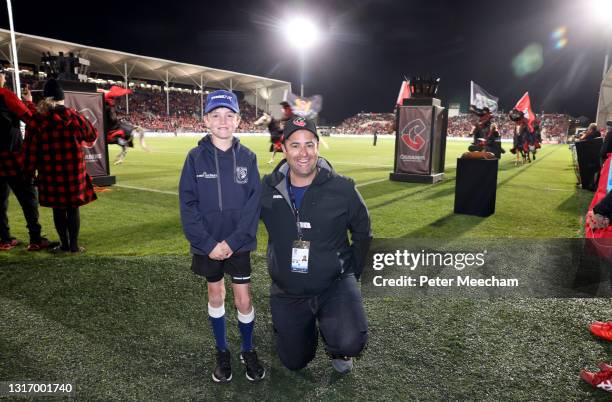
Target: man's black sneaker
x=223, y=371
x=254, y=369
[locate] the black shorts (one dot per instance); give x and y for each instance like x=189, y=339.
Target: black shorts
x=238, y=266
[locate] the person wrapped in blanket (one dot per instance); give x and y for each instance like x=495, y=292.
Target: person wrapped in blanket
x=54, y=155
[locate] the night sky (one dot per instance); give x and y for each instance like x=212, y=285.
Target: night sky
x=368, y=46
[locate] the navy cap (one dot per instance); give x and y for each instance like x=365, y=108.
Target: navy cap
x=296, y=123
x=221, y=98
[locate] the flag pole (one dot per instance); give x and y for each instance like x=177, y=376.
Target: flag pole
x=471, y=91
x=17, y=83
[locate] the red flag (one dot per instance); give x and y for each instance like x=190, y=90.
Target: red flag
x=404, y=93
x=524, y=105
x=116, y=91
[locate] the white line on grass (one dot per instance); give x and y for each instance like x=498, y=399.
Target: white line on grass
x=147, y=189
x=360, y=164
x=152, y=190
x=371, y=182
x=333, y=163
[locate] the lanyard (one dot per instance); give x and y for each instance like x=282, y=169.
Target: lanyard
x=295, y=210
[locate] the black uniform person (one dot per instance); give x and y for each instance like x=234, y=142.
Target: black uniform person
x=591, y=133
x=606, y=147
x=12, y=110
x=307, y=209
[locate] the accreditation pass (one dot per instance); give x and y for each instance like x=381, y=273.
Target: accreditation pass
x=299, y=256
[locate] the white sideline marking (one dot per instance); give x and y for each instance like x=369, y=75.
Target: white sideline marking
x=370, y=182
x=147, y=189
x=541, y=188
x=152, y=190
x=360, y=164
x=333, y=163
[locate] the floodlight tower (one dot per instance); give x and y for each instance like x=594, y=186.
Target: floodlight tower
x=302, y=34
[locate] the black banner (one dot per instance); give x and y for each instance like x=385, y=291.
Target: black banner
x=91, y=106
x=414, y=140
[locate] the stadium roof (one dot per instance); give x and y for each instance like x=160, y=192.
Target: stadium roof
x=112, y=62
x=604, y=107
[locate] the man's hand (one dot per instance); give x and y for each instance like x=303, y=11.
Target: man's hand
x=596, y=221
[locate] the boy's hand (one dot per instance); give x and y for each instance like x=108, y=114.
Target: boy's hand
x=226, y=249
x=218, y=253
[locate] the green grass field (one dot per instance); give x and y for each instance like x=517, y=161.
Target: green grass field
x=127, y=319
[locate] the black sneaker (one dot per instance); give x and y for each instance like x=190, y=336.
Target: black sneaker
x=254, y=369
x=342, y=364
x=223, y=371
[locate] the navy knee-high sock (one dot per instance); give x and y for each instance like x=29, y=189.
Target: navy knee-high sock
x=216, y=315
x=246, y=324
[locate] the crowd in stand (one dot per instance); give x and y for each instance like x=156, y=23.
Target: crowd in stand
x=554, y=126
x=147, y=108
x=367, y=123
x=461, y=125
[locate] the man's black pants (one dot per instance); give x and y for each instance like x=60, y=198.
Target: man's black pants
x=25, y=192
x=340, y=316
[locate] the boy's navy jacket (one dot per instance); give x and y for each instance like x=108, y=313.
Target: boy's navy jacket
x=219, y=196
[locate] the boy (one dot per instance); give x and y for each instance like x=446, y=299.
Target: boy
x=219, y=194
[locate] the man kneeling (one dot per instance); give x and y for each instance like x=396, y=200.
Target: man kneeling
x=307, y=209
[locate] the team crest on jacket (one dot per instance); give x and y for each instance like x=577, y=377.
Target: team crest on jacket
x=242, y=175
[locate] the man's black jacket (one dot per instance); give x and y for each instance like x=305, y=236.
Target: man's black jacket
x=331, y=206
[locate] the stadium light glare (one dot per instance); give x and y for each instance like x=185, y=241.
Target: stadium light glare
x=600, y=9
x=301, y=33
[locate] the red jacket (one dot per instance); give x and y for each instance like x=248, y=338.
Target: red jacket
x=10, y=161
x=54, y=147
